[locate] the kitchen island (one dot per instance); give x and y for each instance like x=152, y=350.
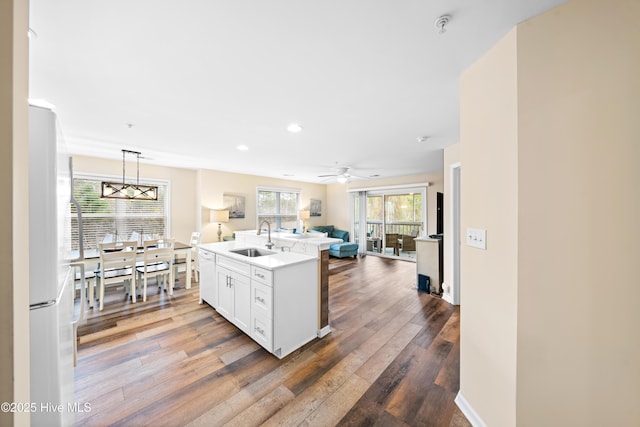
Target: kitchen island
x=315, y=244
x=270, y=295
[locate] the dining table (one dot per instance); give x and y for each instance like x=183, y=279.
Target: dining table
x=91, y=260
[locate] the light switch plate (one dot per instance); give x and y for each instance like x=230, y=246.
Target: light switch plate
x=477, y=238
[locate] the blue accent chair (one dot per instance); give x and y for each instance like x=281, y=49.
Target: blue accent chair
x=338, y=250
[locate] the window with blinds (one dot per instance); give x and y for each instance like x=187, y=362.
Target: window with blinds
x=113, y=218
x=279, y=207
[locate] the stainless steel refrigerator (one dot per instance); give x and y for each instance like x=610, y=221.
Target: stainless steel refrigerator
x=51, y=279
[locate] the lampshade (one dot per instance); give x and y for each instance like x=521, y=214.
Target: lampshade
x=305, y=214
x=219, y=215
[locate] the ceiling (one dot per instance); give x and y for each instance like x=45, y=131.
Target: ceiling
x=186, y=82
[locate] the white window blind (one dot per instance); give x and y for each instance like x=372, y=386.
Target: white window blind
x=116, y=218
x=279, y=207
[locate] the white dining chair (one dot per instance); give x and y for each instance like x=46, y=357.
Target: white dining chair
x=117, y=265
x=182, y=262
x=157, y=262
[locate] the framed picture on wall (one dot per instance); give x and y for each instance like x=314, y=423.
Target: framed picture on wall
x=234, y=204
x=315, y=207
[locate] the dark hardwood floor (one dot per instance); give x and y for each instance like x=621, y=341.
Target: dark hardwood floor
x=392, y=359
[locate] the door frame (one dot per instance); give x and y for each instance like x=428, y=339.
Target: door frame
x=453, y=296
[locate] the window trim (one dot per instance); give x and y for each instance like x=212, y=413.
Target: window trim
x=297, y=191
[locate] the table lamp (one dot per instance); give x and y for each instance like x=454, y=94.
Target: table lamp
x=219, y=216
x=304, y=215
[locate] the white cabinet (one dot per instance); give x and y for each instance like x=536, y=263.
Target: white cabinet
x=234, y=298
x=277, y=308
x=284, y=307
x=208, y=288
x=225, y=294
x=262, y=314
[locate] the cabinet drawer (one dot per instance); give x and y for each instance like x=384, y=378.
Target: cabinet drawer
x=261, y=332
x=261, y=300
x=233, y=265
x=261, y=275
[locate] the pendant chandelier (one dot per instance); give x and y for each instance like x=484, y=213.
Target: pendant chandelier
x=116, y=190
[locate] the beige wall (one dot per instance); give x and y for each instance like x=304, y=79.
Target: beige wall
x=195, y=193
x=579, y=153
x=183, y=198
x=215, y=183
x=338, y=196
x=14, y=202
x=549, y=153
x=489, y=286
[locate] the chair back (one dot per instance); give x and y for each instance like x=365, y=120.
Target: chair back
x=158, y=251
x=117, y=255
x=408, y=243
x=391, y=240
x=195, y=239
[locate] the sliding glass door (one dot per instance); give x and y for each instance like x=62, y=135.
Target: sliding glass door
x=385, y=221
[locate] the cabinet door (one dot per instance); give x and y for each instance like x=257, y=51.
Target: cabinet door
x=225, y=293
x=241, y=302
x=208, y=288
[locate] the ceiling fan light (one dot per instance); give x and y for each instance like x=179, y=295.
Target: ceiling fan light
x=342, y=179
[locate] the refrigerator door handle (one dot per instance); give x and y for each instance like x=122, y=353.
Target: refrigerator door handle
x=78, y=214
x=43, y=304
x=80, y=265
x=77, y=321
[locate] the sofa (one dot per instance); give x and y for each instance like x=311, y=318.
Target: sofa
x=338, y=250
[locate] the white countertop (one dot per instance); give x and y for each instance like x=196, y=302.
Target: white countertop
x=309, y=243
x=270, y=262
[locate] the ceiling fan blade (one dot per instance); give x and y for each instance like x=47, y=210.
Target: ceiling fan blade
x=325, y=176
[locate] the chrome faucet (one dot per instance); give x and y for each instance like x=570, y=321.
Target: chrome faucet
x=269, y=243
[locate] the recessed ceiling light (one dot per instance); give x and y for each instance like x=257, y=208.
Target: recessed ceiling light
x=242, y=147
x=294, y=128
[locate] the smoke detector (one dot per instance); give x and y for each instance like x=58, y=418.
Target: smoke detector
x=441, y=22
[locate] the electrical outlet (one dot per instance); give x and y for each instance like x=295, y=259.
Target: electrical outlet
x=477, y=238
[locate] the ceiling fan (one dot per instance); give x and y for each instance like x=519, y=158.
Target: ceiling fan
x=342, y=176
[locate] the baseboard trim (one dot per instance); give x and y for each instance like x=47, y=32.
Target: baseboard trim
x=448, y=298
x=324, y=331
x=468, y=411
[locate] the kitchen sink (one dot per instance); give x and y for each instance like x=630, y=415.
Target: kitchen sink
x=252, y=252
